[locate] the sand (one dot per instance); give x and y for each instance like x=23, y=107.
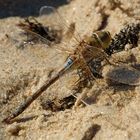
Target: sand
x=113, y=112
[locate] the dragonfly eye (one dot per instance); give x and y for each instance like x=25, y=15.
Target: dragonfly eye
x=103, y=38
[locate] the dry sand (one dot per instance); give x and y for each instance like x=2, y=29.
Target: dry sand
x=114, y=112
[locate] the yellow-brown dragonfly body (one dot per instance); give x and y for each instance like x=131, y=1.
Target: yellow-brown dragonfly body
x=88, y=49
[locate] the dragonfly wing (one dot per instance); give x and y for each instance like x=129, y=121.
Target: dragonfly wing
x=54, y=18
x=34, y=31
x=122, y=74
x=38, y=36
x=92, y=52
x=61, y=23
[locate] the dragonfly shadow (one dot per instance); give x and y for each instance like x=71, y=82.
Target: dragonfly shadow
x=28, y=118
x=23, y=119
x=25, y=8
x=121, y=87
x=137, y=66
x=123, y=78
x=91, y=132
x=93, y=98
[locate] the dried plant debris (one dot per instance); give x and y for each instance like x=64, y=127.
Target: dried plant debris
x=128, y=35
x=59, y=105
x=36, y=31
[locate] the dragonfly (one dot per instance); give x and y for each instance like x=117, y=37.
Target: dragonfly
x=79, y=57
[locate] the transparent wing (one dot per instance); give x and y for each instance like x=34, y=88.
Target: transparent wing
x=59, y=22
x=122, y=74
x=93, y=52
x=36, y=32
x=38, y=36
x=56, y=20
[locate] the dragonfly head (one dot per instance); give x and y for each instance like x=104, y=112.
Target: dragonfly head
x=103, y=38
